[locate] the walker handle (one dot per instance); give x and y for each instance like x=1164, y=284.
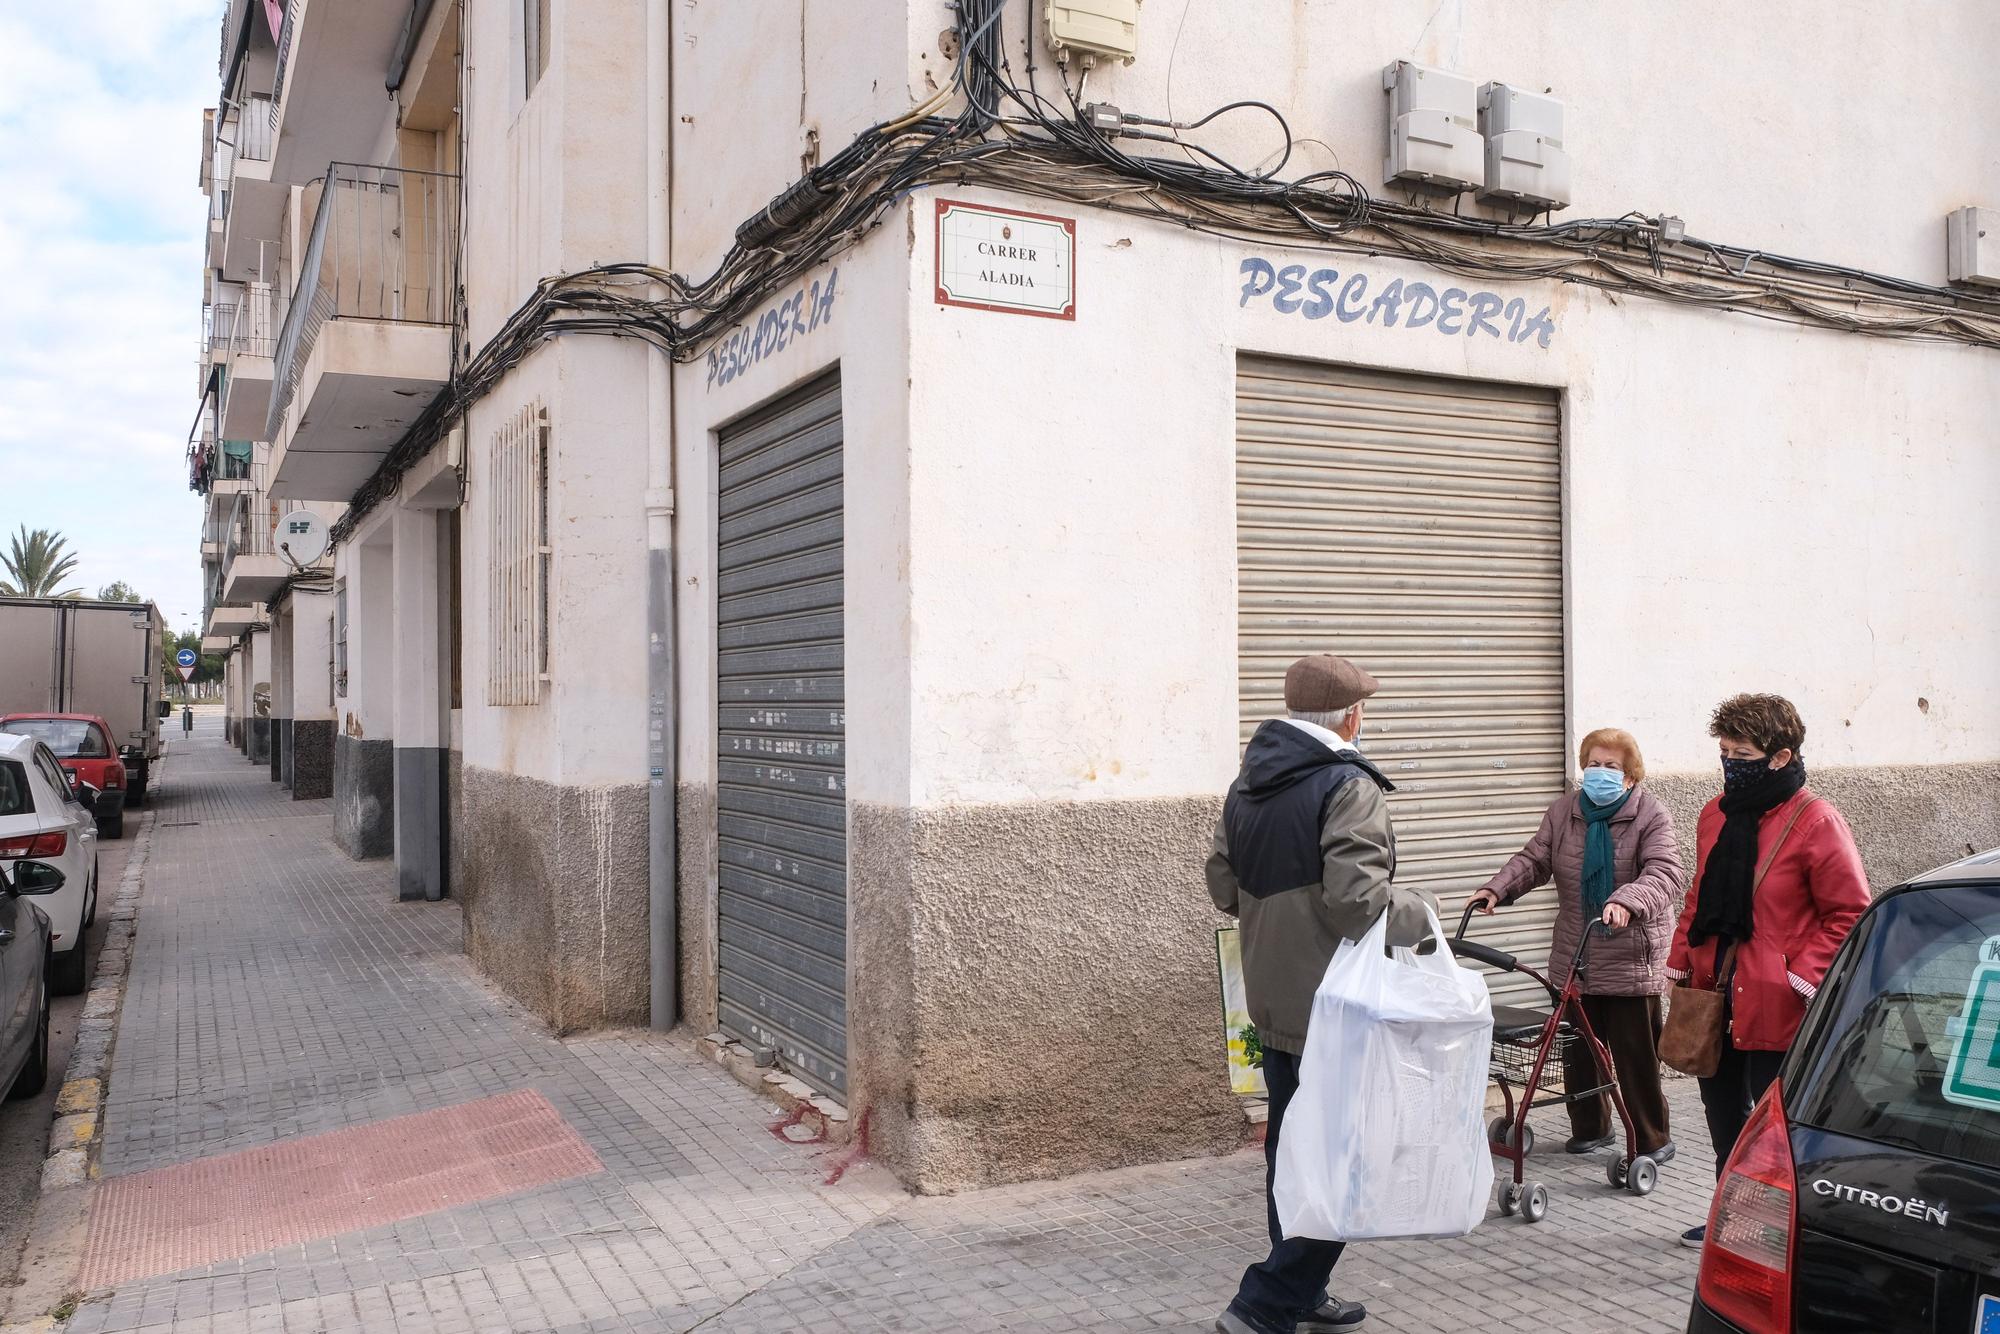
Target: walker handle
x=1472, y=949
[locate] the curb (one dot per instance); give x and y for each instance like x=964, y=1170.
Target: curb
x=79, y=1124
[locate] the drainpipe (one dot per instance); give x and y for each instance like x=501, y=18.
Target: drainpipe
x=663, y=896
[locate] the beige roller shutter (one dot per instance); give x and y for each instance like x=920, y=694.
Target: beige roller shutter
x=1414, y=524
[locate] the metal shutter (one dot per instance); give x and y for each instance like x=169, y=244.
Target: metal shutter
x=1414, y=524
x=782, y=762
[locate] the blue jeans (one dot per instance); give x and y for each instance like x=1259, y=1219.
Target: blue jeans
x=1291, y=1281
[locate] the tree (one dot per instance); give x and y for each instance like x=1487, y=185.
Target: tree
x=37, y=564
x=119, y=591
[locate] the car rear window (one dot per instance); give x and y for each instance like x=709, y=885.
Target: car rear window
x=70, y=738
x=14, y=796
x=1911, y=1054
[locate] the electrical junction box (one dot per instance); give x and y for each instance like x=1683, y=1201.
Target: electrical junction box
x=1972, y=246
x=1434, y=143
x=1525, y=160
x=1094, y=28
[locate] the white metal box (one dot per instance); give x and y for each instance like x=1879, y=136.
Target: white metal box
x=1525, y=159
x=1434, y=141
x=1094, y=27
x=1972, y=246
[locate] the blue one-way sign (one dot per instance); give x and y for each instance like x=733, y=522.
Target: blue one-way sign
x=184, y=658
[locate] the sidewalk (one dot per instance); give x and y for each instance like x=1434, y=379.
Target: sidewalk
x=461, y=1170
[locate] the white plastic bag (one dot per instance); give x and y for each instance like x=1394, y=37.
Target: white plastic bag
x=1385, y=1136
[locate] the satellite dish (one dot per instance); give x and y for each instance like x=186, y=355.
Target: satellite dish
x=302, y=537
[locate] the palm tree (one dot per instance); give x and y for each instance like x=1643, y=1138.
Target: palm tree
x=36, y=565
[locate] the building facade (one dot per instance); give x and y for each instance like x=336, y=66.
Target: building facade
x=843, y=646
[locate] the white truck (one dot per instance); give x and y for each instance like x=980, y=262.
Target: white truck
x=79, y=655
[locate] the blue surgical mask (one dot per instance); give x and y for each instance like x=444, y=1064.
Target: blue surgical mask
x=1603, y=786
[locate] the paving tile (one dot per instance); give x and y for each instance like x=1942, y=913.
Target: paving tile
x=279, y=991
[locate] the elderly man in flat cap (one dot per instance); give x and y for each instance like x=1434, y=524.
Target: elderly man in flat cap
x=1305, y=859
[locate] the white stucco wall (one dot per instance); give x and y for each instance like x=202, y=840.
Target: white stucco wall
x=1751, y=506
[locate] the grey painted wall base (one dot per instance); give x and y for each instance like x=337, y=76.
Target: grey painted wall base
x=311, y=753
x=553, y=882
x=420, y=871
x=364, y=796
x=258, y=748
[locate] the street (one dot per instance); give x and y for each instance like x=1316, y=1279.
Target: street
x=320, y=1118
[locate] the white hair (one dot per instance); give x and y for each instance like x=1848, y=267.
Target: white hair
x=1330, y=720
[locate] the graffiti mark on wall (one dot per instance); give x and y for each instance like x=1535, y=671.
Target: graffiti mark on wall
x=1455, y=312
x=803, y=312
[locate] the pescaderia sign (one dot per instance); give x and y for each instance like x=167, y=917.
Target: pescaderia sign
x=1002, y=259
x=1454, y=312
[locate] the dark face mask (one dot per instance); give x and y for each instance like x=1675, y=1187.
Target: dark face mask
x=1739, y=774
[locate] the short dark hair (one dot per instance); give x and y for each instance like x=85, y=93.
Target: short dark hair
x=1768, y=722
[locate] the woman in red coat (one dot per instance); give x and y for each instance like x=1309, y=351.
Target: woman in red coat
x=1812, y=893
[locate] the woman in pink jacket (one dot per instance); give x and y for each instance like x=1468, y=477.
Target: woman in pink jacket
x=1786, y=932
x=1613, y=855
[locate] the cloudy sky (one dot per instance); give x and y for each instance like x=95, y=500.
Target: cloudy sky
x=101, y=221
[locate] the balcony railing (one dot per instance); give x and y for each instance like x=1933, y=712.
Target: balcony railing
x=255, y=321
x=284, y=58
x=384, y=246
x=252, y=528
x=252, y=129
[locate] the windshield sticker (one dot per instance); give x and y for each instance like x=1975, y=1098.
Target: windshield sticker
x=1972, y=1079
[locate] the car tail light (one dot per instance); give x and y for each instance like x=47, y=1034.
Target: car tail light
x=35, y=845
x=114, y=777
x=1746, y=1264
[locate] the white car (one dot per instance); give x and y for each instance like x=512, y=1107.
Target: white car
x=42, y=820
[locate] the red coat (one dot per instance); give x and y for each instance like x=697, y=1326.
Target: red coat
x=1811, y=898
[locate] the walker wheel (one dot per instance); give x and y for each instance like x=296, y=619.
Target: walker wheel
x=1536, y=1206
x=1500, y=1131
x=1645, y=1174
x=1616, y=1172
x=1510, y=1198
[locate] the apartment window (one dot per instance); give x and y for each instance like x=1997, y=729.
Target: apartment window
x=534, y=42
x=339, y=638
x=518, y=560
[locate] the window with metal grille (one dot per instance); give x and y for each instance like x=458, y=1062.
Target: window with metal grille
x=339, y=638
x=518, y=563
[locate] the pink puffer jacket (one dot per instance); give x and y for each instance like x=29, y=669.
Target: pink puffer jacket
x=1649, y=884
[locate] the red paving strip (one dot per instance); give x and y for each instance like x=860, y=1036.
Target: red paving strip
x=236, y=1204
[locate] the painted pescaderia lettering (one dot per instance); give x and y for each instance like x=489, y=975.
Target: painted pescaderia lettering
x=780, y=325
x=1455, y=312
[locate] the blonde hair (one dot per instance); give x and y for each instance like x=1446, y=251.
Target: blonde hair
x=1614, y=738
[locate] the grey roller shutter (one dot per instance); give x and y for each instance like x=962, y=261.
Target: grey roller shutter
x=1414, y=524
x=781, y=764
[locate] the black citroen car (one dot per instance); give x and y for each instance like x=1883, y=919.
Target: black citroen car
x=1864, y=1194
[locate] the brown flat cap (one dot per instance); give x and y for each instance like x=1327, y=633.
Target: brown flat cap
x=1323, y=683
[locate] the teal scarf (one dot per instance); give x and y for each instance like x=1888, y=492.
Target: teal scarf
x=1599, y=855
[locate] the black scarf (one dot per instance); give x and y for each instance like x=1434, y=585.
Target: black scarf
x=1722, y=903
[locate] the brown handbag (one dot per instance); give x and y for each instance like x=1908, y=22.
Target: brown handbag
x=1691, y=1039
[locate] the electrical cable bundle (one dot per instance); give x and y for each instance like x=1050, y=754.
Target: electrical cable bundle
x=1014, y=138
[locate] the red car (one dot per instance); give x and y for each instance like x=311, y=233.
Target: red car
x=82, y=744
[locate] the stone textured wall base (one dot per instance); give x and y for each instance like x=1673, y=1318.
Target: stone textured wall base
x=553, y=880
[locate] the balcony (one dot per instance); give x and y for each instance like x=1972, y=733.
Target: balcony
x=333, y=58
x=366, y=342
x=252, y=568
x=253, y=341
x=231, y=620
x=256, y=211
